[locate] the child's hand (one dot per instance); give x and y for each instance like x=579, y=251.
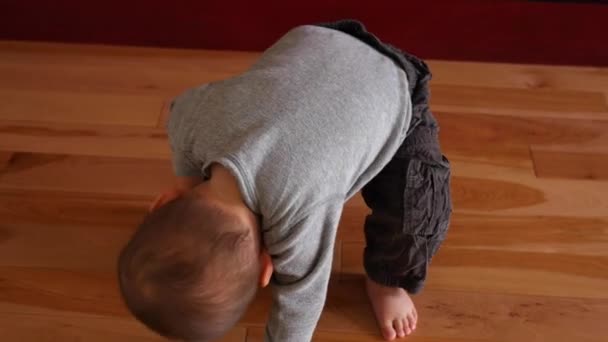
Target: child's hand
x=183, y=185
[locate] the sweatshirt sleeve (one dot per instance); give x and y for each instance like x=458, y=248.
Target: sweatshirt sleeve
x=302, y=261
x=178, y=131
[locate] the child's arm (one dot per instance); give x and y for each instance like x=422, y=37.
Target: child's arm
x=188, y=175
x=302, y=263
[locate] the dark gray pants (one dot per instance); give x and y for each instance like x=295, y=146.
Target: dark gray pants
x=410, y=198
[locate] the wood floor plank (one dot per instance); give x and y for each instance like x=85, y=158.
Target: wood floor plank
x=506, y=139
x=5, y=158
x=79, y=107
x=516, y=281
x=56, y=209
x=68, y=247
x=60, y=50
x=147, y=77
x=541, y=234
x=83, y=174
x=503, y=195
x=106, y=55
x=576, y=235
x=453, y=314
x=514, y=192
x=62, y=289
x=165, y=112
x=485, y=270
x=597, y=145
x=554, y=164
x=462, y=315
x=84, y=139
x=505, y=101
x=23, y=324
x=95, y=68
x=257, y=335
x=502, y=75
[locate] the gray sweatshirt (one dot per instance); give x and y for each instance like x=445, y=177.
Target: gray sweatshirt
x=313, y=120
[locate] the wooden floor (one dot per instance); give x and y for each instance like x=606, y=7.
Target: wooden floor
x=82, y=152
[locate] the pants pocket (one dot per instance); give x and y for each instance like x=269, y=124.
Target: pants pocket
x=427, y=199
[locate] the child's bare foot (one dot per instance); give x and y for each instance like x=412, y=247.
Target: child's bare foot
x=394, y=309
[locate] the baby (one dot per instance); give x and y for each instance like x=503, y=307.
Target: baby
x=265, y=161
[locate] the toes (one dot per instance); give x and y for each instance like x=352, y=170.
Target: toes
x=414, y=319
x=406, y=326
x=388, y=331
x=411, y=322
x=399, y=327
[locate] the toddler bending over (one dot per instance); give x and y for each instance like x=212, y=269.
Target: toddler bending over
x=265, y=161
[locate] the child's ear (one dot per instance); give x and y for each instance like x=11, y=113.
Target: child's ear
x=267, y=269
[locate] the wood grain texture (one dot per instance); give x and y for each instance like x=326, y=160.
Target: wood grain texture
x=521, y=102
x=464, y=315
x=84, y=139
x=506, y=139
x=118, y=69
x=17, y=323
x=79, y=107
x=83, y=151
x=549, y=234
x=21, y=323
x=257, y=335
x=553, y=164
x=502, y=75
x=78, y=209
x=512, y=191
x=535, y=273
x=129, y=177
x=5, y=158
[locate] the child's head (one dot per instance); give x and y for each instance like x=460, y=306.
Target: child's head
x=191, y=269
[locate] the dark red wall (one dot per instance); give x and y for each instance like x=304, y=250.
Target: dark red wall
x=485, y=30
